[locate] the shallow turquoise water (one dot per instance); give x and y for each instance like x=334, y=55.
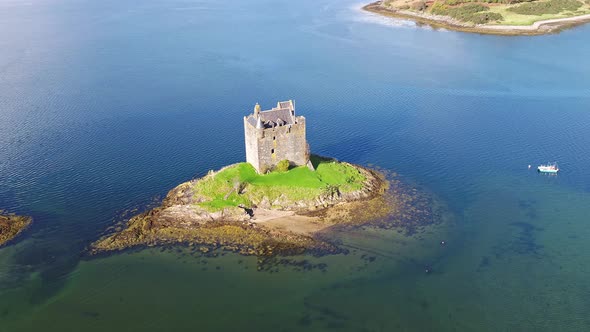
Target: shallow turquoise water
x=104, y=106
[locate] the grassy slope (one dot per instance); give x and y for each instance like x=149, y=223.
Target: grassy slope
x=512, y=18
x=240, y=184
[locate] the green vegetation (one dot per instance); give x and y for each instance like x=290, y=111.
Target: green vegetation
x=240, y=185
x=506, y=2
x=546, y=7
x=282, y=166
x=472, y=12
x=492, y=12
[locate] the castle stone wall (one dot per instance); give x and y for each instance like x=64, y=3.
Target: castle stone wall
x=251, y=136
x=268, y=144
x=283, y=142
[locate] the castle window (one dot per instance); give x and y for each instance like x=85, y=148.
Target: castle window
x=272, y=151
x=274, y=138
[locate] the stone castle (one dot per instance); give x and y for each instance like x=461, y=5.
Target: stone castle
x=275, y=135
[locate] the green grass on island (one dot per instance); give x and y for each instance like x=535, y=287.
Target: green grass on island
x=241, y=185
x=495, y=12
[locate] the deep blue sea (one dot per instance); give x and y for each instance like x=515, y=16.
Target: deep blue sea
x=106, y=105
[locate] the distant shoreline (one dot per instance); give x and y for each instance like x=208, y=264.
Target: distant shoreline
x=537, y=28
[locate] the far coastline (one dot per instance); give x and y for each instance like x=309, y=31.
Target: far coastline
x=539, y=27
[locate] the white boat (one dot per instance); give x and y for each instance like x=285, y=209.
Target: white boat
x=548, y=168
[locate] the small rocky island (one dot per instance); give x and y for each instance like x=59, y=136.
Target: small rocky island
x=11, y=225
x=278, y=202
x=499, y=17
x=261, y=214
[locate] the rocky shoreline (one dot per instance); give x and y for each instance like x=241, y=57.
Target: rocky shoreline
x=262, y=230
x=11, y=225
x=446, y=22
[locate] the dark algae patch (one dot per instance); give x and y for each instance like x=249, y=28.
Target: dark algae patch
x=11, y=225
x=523, y=241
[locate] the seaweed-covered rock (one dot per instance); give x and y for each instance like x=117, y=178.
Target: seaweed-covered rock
x=11, y=226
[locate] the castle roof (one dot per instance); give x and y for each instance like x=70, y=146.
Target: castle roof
x=285, y=104
x=283, y=114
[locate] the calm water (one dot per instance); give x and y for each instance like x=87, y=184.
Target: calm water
x=106, y=105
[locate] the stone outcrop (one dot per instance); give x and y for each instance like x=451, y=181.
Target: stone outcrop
x=11, y=226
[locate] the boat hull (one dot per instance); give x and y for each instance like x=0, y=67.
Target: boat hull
x=543, y=170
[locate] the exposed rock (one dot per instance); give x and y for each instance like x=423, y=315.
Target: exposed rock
x=11, y=226
x=265, y=203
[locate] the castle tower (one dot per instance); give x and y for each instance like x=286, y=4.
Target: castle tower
x=275, y=135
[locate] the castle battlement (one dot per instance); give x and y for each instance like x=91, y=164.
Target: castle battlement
x=274, y=135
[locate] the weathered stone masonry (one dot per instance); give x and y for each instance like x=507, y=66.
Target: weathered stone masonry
x=275, y=135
